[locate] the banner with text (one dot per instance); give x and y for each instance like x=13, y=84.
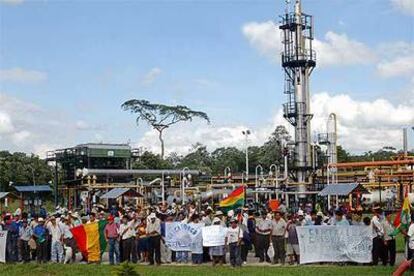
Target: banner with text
x=329, y=243
x=183, y=237
x=214, y=235
x=3, y=238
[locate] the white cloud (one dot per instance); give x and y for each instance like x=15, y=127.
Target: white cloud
x=338, y=49
x=335, y=49
x=29, y=128
x=20, y=136
x=12, y=2
x=398, y=59
x=405, y=6
x=6, y=125
x=22, y=75
x=151, y=76
x=81, y=125
x=265, y=37
x=362, y=126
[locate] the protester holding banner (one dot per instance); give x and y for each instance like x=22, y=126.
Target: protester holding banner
x=217, y=252
x=197, y=242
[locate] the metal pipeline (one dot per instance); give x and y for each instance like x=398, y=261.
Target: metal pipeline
x=86, y=172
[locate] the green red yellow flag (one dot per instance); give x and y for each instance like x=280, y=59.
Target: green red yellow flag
x=403, y=218
x=234, y=200
x=90, y=239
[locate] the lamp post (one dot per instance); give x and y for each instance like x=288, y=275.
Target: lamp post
x=227, y=174
x=246, y=134
x=256, y=179
x=183, y=183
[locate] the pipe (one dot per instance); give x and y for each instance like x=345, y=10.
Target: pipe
x=86, y=172
x=373, y=163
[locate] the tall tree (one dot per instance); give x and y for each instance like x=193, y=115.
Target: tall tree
x=160, y=116
x=272, y=148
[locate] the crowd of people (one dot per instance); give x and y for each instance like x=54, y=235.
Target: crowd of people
x=137, y=234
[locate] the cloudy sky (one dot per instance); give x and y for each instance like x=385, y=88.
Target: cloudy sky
x=67, y=66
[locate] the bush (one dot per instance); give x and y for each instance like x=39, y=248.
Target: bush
x=125, y=269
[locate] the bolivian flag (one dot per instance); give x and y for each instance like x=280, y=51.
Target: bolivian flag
x=403, y=218
x=234, y=200
x=90, y=239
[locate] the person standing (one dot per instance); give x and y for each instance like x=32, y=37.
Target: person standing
x=339, y=218
x=410, y=239
x=127, y=234
x=197, y=246
x=154, y=232
x=233, y=240
x=263, y=230
x=218, y=252
x=40, y=232
x=68, y=239
x=378, y=236
x=25, y=233
x=389, y=240
x=12, y=229
x=56, y=234
x=111, y=232
x=293, y=242
x=278, y=238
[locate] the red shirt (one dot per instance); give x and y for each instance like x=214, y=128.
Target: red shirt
x=112, y=230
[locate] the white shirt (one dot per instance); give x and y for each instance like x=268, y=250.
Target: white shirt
x=377, y=229
x=129, y=233
x=233, y=234
x=55, y=231
x=410, y=231
x=66, y=231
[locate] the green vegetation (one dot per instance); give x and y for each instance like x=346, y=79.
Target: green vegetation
x=79, y=269
x=21, y=168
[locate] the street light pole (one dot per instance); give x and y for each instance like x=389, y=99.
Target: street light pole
x=246, y=134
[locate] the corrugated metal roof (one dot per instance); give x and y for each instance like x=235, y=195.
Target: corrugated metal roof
x=117, y=192
x=3, y=194
x=342, y=189
x=33, y=188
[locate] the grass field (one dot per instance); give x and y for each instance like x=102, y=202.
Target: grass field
x=97, y=270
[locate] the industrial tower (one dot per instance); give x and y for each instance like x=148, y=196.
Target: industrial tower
x=298, y=62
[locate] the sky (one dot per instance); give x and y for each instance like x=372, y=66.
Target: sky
x=67, y=66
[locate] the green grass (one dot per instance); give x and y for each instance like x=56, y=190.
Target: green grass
x=98, y=270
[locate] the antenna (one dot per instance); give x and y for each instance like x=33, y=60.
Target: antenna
x=287, y=6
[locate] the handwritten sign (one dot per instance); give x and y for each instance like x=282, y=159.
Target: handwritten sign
x=335, y=244
x=3, y=238
x=182, y=236
x=214, y=235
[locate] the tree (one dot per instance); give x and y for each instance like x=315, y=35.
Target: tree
x=273, y=147
x=227, y=157
x=199, y=158
x=21, y=168
x=160, y=116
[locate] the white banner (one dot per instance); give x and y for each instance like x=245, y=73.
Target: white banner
x=214, y=235
x=3, y=238
x=335, y=244
x=183, y=237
